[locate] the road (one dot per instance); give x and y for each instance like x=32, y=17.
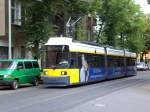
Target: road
x=122, y=95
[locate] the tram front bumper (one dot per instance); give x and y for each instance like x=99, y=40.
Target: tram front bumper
x=61, y=80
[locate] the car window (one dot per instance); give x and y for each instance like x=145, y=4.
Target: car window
x=35, y=64
x=28, y=65
x=7, y=65
x=20, y=65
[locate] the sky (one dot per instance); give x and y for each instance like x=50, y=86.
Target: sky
x=145, y=7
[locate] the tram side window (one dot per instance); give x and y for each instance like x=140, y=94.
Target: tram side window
x=95, y=60
x=130, y=62
x=102, y=60
x=133, y=62
x=127, y=61
x=79, y=60
x=87, y=58
x=116, y=62
x=113, y=61
x=120, y=61
x=73, y=60
x=110, y=61
x=90, y=60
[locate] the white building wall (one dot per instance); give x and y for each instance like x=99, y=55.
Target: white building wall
x=2, y=18
x=3, y=42
x=17, y=52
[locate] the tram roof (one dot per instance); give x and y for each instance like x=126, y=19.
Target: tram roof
x=76, y=46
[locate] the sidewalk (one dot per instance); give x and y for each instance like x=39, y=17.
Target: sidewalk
x=132, y=99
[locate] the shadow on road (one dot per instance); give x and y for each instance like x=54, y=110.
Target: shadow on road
x=3, y=88
x=79, y=85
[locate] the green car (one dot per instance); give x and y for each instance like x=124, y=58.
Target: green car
x=19, y=71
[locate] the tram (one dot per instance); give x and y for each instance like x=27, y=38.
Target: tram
x=68, y=62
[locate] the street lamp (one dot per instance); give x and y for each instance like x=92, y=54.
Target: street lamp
x=9, y=31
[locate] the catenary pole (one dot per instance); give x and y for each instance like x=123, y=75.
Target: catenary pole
x=9, y=31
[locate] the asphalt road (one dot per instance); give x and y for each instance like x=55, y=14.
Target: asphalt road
x=125, y=95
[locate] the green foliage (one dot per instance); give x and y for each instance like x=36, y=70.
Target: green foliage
x=70, y=8
x=121, y=22
x=46, y=17
x=147, y=33
x=121, y=17
x=145, y=40
x=36, y=26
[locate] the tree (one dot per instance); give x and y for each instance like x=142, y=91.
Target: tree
x=36, y=25
x=147, y=32
x=44, y=18
x=121, y=22
x=69, y=9
x=146, y=36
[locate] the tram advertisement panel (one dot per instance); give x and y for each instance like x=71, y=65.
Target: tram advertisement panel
x=91, y=69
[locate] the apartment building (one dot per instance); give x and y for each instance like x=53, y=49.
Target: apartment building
x=18, y=47
x=18, y=40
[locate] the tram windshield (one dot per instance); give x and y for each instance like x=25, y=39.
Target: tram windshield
x=57, y=57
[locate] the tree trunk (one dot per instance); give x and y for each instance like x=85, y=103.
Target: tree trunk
x=142, y=57
x=35, y=50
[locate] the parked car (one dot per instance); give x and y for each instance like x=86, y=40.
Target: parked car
x=142, y=66
x=19, y=71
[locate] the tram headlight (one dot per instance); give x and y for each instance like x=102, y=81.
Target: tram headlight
x=63, y=73
x=45, y=72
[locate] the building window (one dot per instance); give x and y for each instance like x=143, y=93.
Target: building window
x=16, y=12
x=3, y=52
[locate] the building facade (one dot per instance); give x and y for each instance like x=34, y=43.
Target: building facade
x=18, y=40
x=18, y=47
x=148, y=58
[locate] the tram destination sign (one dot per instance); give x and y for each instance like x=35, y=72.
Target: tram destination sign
x=58, y=48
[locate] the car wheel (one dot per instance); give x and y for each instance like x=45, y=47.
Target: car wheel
x=35, y=82
x=14, y=85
